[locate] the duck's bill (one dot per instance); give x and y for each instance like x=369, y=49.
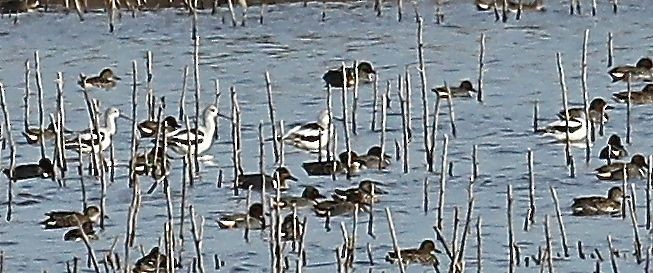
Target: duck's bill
x=116, y=78
x=290, y=177
x=609, y=107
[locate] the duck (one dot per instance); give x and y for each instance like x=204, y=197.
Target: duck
x=148, y=263
x=147, y=128
x=374, y=160
x=356, y=165
x=18, y=6
x=637, y=168
x=464, y=90
x=645, y=96
x=88, y=138
x=642, y=71
x=366, y=73
x=44, y=169
x=335, y=207
x=597, y=205
x=106, y=80
x=422, y=255
x=255, y=180
x=614, y=148
x=361, y=194
x=322, y=168
x=313, y=136
x=557, y=130
x=484, y=5
x=182, y=141
x=64, y=219
x=597, y=110
x=144, y=164
x=239, y=220
x=291, y=228
x=76, y=234
x=308, y=198
x=34, y=135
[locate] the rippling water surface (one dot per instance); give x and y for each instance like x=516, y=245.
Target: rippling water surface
x=296, y=47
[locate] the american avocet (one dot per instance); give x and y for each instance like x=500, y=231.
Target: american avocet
x=88, y=138
x=183, y=140
x=312, y=136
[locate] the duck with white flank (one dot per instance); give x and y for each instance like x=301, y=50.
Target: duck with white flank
x=422, y=255
x=183, y=141
x=76, y=234
x=18, y=6
x=148, y=263
x=106, y=80
x=597, y=108
x=361, y=194
x=43, y=169
x=89, y=138
x=642, y=71
x=145, y=164
x=614, y=148
x=256, y=180
x=636, y=168
x=597, y=205
x=636, y=97
x=312, y=136
x=465, y=90
x=366, y=74
x=239, y=220
x=34, y=135
x=308, y=198
x=63, y=219
x=558, y=129
x=148, y=128
x=512, y=6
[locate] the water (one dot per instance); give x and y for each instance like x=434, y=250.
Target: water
x=296, y=48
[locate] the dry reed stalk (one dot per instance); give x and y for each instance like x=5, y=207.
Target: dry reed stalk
x=354, y=105
x=648, y=193
x=268, y=89
x=504, y=11
x=583, y=80
x=395, y=242
x=12, y=151
x=399, y=10
x=561, y=224
x=404, y=124
x=479, y=245
x=511, y=233
x=230, y=4
x=563, y=87
x=460, y=259
x=452, y=116
x=628, y=108
x=375, y=103
x=89, y=248
x=384, y=120
x=26, y=97
x=610, y=50
x=434, y=131
x=425, y=197
x=423, y=88
x=531, y=191
x=182, y=97
x=613, y=261
x=39, y=90
x=409, y=105
x=234, y=140
x=548, y=251
x=196, y=78
x=637, y=244
x=60, y=125
x=345, y=120
x=615, y=4
x=443, y=181
x=198, y=233
x=481, y=65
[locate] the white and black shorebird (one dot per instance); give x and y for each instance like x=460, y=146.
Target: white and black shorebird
x=89, y=138
x=558, y=128
x=182, y=141
x=312, y=136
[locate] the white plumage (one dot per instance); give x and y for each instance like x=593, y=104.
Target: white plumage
x=311, y=136
x=557, y=130
x=183, y=140
x=88, y=138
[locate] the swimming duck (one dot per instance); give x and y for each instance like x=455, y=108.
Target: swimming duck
x=361, y=194
x=642, y=71
x=596, y=107
x=43, y=169
x=255, y=180
x=557, y=130
x=335, y=207
x=183, y=140
x=642, y=97
x=238, y=220
x=614, y=147
x=33, y=135
x=487, y=5
x=334, y=77
x=465, y=90
x=309, y=198
x=76, y=234
x=637, y=168
x=290, y=231
x=374, y=160
x=596, y=205
x=106, y=80
x=320, y=168
x=148, y=128
x=63, y=219
x=422, y=255
x=356, y=166
x=18, y=6
x=89, y=138
x=147, y=264
x=144, y=164
x=312, y=136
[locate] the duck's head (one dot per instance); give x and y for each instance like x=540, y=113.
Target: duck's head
x=256, y=211
x=614, y=140
x=107, y=74
x=639, y=161
x=467, y=85
x=46, y=165
x=171, y=121
x=284, y=174
x=365, y=68
x=92, y=212
x=645, y=63
x=312, y=193
x=599, y=104
x=616, y=194
x=377, y=151
x=427, y=246
x=367, y=186
x=648, y=88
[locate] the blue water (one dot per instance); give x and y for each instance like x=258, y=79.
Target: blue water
x=296, y=47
